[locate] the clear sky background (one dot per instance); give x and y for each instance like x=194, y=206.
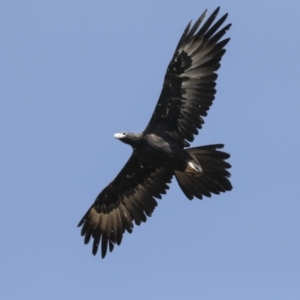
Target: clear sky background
x=73, y=73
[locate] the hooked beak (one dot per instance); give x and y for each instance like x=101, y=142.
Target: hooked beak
x=118, y=135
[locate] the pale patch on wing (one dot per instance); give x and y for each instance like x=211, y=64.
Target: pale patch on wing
x=195, y=167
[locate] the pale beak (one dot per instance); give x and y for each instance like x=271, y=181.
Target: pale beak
x=118, y=135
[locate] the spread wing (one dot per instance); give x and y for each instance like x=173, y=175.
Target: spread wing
x=129, y=197
x=189, y=84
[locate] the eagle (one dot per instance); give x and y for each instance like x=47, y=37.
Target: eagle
x=162, y=150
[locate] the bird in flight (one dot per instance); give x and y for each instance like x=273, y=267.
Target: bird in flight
x=160, y=151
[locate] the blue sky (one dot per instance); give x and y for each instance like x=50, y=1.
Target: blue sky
x=72, y=74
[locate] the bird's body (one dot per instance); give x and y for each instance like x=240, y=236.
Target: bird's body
x=160, y=151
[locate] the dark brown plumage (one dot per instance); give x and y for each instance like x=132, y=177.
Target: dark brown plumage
x=158, y=152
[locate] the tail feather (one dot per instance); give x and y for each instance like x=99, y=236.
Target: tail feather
x=214, y=178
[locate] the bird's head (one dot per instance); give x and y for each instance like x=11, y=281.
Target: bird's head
x=128, y=138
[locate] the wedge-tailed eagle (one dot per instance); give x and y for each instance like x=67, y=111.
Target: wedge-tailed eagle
x=160, y=151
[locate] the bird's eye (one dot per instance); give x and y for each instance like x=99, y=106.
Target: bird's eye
x=124, y=133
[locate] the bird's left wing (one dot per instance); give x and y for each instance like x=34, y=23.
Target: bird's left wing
x=189, y=84
x=130, y=196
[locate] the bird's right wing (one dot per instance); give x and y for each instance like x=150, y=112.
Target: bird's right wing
x=130, y=196
x=189, y=85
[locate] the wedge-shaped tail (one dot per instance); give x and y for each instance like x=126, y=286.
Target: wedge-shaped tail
x=214, y=178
